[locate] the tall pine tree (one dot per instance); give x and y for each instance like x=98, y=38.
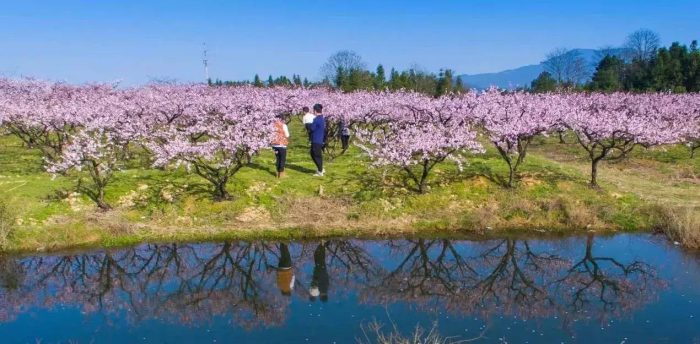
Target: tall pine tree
x=379, y=78
x=257, y=82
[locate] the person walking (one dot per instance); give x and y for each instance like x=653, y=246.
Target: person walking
x=318, y=139
x=307, y=119
x=344, y=132
x=279, y=144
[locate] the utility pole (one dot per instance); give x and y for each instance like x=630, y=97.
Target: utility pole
x=206, y=62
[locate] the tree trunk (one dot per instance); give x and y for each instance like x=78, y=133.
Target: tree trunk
x=103, y=205
x=423, y=179
x=220, y=193
x=100, y=200
x=511, y=176
x=511, y=167
x=594, y=173
x=421, y=187
x=561, y=137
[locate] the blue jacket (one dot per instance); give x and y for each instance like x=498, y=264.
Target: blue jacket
x=318, y=130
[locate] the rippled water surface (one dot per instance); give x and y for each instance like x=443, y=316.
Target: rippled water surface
x=625, y=288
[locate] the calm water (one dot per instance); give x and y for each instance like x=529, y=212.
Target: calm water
x=620, y=289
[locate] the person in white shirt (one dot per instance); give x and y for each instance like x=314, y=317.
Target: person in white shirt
x=307, y=119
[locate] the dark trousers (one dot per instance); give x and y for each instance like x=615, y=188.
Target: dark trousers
x=320, y=278
x=281, y=156
x=285, y=257
x=345, y=140
x=317, y=155
x=308, y=130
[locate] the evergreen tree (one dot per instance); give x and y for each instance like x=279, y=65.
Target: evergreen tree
x=608, y=74
x=544, y=83
x=380, y=78
x=693, y=68
x=270, y=81
x=257, y=82
x=459, y=86
x=394, y=80
x=444, y=84
x=340, y=78
x=638, y=77
x=358, y=79
x=422, y=82
x=670, y=69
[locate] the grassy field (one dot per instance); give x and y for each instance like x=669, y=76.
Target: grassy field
x=654, y=189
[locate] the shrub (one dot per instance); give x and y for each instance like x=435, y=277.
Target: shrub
x=682, y=224
x=375, y=333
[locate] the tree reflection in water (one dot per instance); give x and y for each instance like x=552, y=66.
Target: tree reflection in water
x=604, y=287
x=250, y=282
x=504, y=276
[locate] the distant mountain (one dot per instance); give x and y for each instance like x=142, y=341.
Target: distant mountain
x=523, y=76
x=511, y=78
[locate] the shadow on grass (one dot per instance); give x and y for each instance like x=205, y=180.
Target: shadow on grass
x=262, y=168
x=480, y=169
x=156, y=183
x=301, y=169
x=390, y=183
x=545, y=173
x=395, y=182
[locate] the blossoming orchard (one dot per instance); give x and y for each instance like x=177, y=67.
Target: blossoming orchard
x=216, y=131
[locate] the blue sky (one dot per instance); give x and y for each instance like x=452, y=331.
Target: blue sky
x=136, y=41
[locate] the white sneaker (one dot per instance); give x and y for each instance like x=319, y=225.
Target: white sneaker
x=318, y=174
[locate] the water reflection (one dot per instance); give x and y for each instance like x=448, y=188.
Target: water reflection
x=509, y=277
x=253, y=283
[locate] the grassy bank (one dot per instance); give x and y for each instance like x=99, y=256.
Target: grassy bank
x=653, y=190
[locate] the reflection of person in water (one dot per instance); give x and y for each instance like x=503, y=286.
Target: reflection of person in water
x=285, y=272
x=319, y=279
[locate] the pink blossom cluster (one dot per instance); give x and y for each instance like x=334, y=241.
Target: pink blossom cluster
x=511, y=120
x=647, y=119
x=609, y=126
x=416, y=132
x=215, y=131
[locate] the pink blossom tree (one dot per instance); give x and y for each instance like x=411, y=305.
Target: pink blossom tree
x=338, y=107
x=42, y=114
x=609, y=126
x=691, y=131
x=98, y=144
x=217, y=134
x=216, y=131
x=416, y=133
x=512, y=120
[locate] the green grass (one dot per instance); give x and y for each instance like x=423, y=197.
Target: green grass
x=351, y=200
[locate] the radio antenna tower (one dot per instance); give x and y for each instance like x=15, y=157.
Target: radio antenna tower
x=206, y=62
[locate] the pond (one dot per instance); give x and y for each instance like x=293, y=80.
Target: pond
x=614, y=289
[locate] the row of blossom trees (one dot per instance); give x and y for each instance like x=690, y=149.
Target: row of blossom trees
x=216, y=131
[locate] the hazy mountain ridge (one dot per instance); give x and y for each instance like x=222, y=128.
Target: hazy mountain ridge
x=523, y=76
